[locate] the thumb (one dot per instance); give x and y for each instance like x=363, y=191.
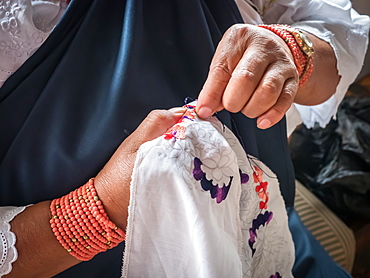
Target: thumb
x=154, y=125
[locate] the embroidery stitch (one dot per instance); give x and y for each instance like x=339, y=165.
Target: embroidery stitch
x=178, y=130
x=261, y=220
x=261, y=189
x=218, y=193
x=211, y=165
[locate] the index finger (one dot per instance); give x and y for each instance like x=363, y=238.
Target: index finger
x=210, y=97
x=224, y=61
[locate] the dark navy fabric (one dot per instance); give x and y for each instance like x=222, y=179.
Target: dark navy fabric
x=106, y=65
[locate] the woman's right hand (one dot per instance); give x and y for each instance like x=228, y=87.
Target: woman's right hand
x=113, y=181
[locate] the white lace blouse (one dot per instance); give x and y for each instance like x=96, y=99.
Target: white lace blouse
x=26, y=24
x=8, y=252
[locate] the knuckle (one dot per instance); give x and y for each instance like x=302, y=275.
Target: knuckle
x=269, y=88
x=270, y=44
x=290, y=90
x=238, y=28
x=231, y=106
x=244, y=74
x=156, y=117
x=283, y=105
x=267, y=94
x=280, y=110
x=253, y=112
x=250, y=114
x=286, y=101
x=220, y=69
x=238, y=34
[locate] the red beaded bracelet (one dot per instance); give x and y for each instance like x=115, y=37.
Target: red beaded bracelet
x=81, y=225
x=297, y=43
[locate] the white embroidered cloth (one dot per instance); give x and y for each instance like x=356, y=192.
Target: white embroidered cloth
x=200, y=207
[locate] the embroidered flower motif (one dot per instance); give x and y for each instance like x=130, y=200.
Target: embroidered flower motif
x=261, y=220
x=175, y=132
x=261, y=188
x=178, y=130
x=217, y=166
x=9, y=21
x=257, y=175
x=189, y=114
x=218, y=193
x=19, y=44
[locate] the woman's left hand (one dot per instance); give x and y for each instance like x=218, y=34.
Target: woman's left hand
x=113, y=182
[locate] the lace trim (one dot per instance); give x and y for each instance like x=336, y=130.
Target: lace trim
x=8, y=252
x=24, y=26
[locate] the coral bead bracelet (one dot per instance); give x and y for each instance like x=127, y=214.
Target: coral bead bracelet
x=81, y=225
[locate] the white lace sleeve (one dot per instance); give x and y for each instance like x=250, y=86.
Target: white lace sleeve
x=8, y=252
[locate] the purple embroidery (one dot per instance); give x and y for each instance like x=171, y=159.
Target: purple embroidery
x=198, y=174
x=216, y=192
x=244, y=178
x=188, y=118
x=261, y=220
x=276, y=275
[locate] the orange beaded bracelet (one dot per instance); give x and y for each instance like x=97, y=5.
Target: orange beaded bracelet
x=81, y=225
x=300, y=46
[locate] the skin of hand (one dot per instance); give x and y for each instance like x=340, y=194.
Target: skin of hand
x=116, y=174
x=39, y=252
x=253, y=72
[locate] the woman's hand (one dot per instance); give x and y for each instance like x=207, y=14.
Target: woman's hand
x=39, y=252
x=253, y=72
x=113, y=181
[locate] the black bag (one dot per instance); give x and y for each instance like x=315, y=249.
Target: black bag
x=334, y=162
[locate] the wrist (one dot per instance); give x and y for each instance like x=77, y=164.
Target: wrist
x=115, y=202
x=300, y=46
x=81, y=224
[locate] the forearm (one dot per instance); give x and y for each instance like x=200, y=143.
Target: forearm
x=322, y=83
x=39, y=252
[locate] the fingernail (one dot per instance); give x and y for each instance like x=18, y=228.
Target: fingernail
x=204, y=112
x=263, y=124
x=177, y=110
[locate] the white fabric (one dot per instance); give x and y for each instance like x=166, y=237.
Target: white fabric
x=8, y=252
x=177, y=228
x=331, y=20
x=24, y=26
